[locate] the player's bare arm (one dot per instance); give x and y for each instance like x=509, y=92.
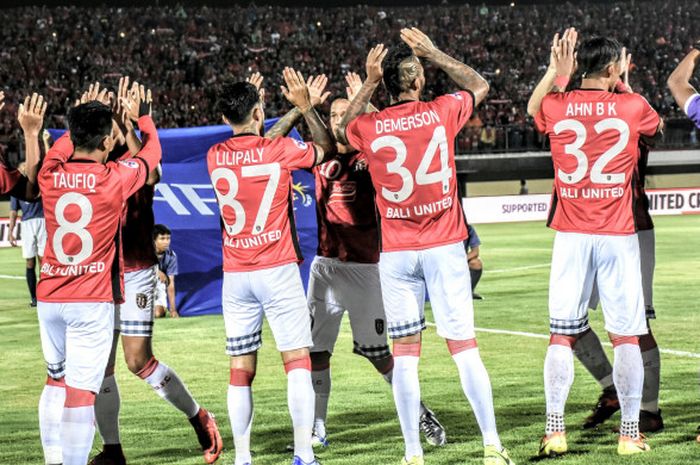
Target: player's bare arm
x=562, y=59
x=364, y=95
x=316, y=86
x=463, y=75
x=31, y=119
x=122, y=118
x=679, y=81
x=297, y=92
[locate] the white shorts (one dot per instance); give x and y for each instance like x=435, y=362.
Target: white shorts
x=647, y=255
x=33, y=237
x=336, y=286
x=444, y=271
x=275, y=292
x=135, y=315
x=580, y=259
x=76, y=339
x=161, y=297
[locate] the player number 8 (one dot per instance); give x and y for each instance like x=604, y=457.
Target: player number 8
x=76, y=228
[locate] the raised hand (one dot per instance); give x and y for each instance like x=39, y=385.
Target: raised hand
x=420, y=43
x=120, y=115
x=374, y=63
x=257, y=79
x=316, y=86
x=625, y=63
x=296, y=90
x=31, y=114
x=95, y=93
x=564, y=53
x=354, y=84
x=138, y=102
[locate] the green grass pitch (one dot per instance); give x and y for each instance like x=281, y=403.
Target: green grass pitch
x=362, y=422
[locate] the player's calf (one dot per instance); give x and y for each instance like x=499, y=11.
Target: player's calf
x=51, y=404
x=321, y=380
x=650, y=420
x=406, y=389
x=78, y=425
x=240, y=405
x=300, y=399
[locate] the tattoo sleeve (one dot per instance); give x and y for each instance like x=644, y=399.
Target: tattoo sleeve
x=284, y=125
x=358, y=106
x=464, y=76
x=320, y=134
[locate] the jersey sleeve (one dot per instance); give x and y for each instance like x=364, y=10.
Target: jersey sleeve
x=172, y=264
x=353, y=133
x=133, y=172
x=8, y=179
x=14, y=204
x=649, y=120
x=459, y=106
x=60, y=152
x=540, y=117
x=692, y=109
x=294, y=154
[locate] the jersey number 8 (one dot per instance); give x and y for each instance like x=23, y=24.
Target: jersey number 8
x=77, y=228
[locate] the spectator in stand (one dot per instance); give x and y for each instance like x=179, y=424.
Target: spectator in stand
x=488, y=137
x=524, y=190
x=167, y=270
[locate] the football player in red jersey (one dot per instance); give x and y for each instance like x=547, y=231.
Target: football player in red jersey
x=409, y=147
x=588, y=348
x=251, y=175
x=12, y=182
x=345, y=266
x=83, y=196
x=594, y=136
x=134, y=317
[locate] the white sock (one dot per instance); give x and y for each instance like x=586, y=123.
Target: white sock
x=590, y=353
x=170, y=387
x=406, y=389
x=300, y=398
x=240, y=412
x=652, y=369
x=107, y=405
x=628, y=372
x=77, y=433
x=477, y=387
x=321, y=380
x=558, y=378
x=50, y=414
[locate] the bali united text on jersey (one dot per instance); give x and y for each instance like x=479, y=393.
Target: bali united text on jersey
x=410, y=150
x=252, y=180
x=83, y=206
x=594, y=137
x=345, y=210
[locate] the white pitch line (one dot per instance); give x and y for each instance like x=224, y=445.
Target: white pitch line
x=520, y=268
x=678, y=353
x=7, y=276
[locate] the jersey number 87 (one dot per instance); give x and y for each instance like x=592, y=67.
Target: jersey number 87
x=231, y=207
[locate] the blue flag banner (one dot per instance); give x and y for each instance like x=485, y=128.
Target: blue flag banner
x=185, y=202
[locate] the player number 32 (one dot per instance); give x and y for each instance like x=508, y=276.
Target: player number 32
x=597, y=175
x=437, y=143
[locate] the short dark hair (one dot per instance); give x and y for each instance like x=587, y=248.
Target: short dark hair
x=89, y=123
x=236, y=100
x=392, y=68
x=161, y=230
x=595, y=54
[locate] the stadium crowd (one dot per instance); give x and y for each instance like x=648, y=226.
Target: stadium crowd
x=183, y=53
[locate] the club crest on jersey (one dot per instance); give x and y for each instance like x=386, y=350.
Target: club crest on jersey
x=141, y=301
x=300, y=144
x=130, y=164
x=457, y=95
x=379, y=326
x=299, y=192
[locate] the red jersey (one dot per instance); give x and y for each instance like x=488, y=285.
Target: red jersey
x=594, y=137
x=137, y=231
x=410, y=151
x=642, y=218
x=252, y=179
x=345, y=210
x=8, y=179
x=83, y=205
